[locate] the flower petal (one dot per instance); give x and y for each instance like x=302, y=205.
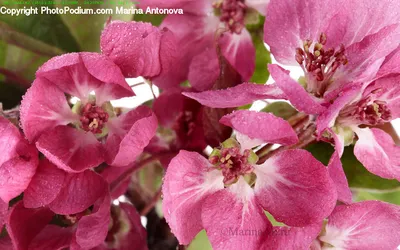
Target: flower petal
x=204, y=70
x=365, y=225
x=70, y=149
x=239, y=95
x=92, y=229
x=44, y=107
x=80, y=73
x=239, y=50
x=295, y=188
x=18, y=161
x=24, y=224
x=296, y=94
x=282, y=238
x=261, y=125
x=78, y=193
x=339, y=178
x=139, y=49
x=188, y=181
x=52, y=237
x=391, y=64
x=233, y=219
x=44, y=186
x=3, y=212
x=378, y=153
x=128, y=135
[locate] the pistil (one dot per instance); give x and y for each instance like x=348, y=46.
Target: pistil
x=232, y=13
x=319, y=64
x=93, y=118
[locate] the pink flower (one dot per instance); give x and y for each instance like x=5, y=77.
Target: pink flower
x=90, y=132
x=226, y=195
x=197, y=32
x=18, y=163
x=139, y=49
x=365, y=225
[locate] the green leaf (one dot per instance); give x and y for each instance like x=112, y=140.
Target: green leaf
x=357, y=175
x=200, y=242
x=48, y=29
x=261, y=72
x=391, y=197
x=156, y=20
x=87, y=28
x=281, y=109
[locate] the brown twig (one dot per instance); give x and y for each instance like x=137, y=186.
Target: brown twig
x=15, y=78
x=149, y=206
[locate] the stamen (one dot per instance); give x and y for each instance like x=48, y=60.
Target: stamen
x=93, y=118
x=320, y=64
x=232, y=13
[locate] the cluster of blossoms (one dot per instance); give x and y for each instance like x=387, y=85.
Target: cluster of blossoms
x=64, y=163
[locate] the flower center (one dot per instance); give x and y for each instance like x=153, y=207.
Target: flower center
x=232, y=13
x=366, y=111
x=93, y=118
x=319, y=64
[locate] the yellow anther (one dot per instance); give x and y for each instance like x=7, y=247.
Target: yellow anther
x=94, y=124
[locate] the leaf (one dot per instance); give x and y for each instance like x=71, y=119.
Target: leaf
x=200, y=242
x=154, y=19
x=390, y=196
x=43, y=29
x=280, y=109
x=87, y=28
x=357, y=175
x=263, y=58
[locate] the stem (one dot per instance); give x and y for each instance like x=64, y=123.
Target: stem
x=135, y=168
x=152, y=203
x=15, y=78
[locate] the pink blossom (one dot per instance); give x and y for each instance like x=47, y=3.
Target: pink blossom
x=228, y=192
x=18, y=163
x=90, y=132
x=197, y=32
x=365, y=225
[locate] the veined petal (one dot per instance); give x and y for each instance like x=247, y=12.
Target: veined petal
x=295, y=188
x=188, y=181
x=338, y=176
x=377, y=152
x=44, y=186
x=261, y=125
x=128, y=135
x=204, y=70
x=3, y=213
x=239, y=50
x=78, y=193
x=52, y=237
x=80, y=73
x=296, y=94
x=239, y=95
x=44, y=106
x=233, y=219
x=391, y=64
x=18, y=161
x=365, y=225
x=70, y=149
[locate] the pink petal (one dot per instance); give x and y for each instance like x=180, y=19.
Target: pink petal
x=233, y=219
x=137, y=234
x=6, y=243
x=3, y=213
x=173, y=101
x=111, y=174
x=24, y=224
x=128, y=135
x=365, y=225
x=259, y=5
x=378, y=153
x=44, y=186
x=295, y=188
x=261, y=125
x=204, y=70
x=339, y=178
x=78, y=193
x=296, y=94
x=188, y=181
x=283, y=238
x=44, y=107
x=52, y=237
x=79, y=73
x=239, y=50
x=391, y=64
x=70, y=149
x=328, y=117
x=239, y=95
x=18, y=161
x=139, y=49
x=92, y=229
